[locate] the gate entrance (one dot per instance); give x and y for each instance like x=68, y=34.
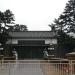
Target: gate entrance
x=30, y=49
x=29, y=52
x=31, y=44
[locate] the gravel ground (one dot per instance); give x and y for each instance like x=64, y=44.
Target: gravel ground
x=21, y=69
x=29, y=68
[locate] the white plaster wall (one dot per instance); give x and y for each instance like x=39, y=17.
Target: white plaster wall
x=54, y=41
x=50, y=41
x=47, y=41
x=13, y=41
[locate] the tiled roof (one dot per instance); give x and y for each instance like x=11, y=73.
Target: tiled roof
x=33, y=34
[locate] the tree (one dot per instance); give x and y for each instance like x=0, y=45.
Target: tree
x=6, y=18
x=64, y=25
x=18, y=27
x=66, y=20
x=52, y=27
x=23, y=28
x=65, y=44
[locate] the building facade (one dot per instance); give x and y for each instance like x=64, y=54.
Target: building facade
x=32, y=44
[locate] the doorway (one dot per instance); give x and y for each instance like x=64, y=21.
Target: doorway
x=30, y=52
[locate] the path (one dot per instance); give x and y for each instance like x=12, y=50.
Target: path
x=50, y=69
x=41, y=68
x=21, y=69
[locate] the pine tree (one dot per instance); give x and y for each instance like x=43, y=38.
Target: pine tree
x=63, y=25
x=66, y=21
x=6, y=18
x=68, y=17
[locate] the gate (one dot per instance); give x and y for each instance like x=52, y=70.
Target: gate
x=37, y=67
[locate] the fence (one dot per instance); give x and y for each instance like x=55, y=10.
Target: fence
x=37, y=67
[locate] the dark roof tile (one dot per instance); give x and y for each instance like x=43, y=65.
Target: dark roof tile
x=33, y=34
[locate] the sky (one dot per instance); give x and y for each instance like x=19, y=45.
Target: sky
x=36, y=14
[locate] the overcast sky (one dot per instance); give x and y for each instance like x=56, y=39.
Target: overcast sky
x=36, y=14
